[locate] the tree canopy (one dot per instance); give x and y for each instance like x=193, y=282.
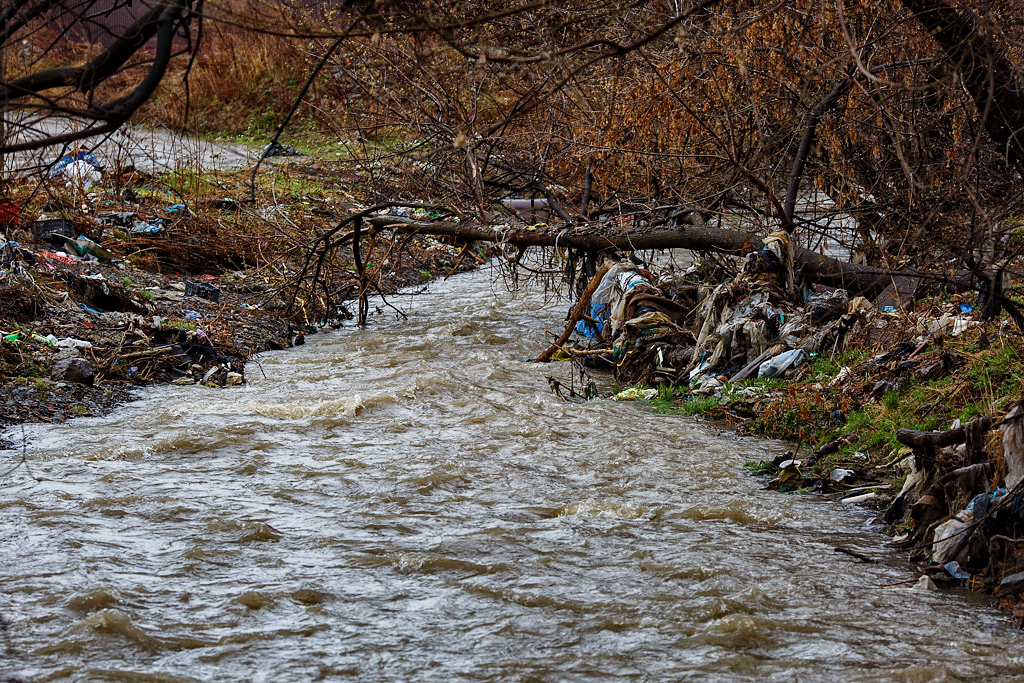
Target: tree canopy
x=899, y=120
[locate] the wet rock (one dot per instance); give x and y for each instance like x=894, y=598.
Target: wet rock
x=75, y=370
x=1012, y=584
x=233, y=379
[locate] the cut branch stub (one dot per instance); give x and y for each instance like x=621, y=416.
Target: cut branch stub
x=929, y=441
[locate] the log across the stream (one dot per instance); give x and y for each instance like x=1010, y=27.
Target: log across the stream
x=864, y=279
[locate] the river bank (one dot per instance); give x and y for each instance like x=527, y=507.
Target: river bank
x=913, y=412
x=152, y=279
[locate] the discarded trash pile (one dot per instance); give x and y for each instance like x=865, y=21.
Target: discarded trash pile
x=707, y=334
x=71, y=323
x=704, y=329
x=962, y=505
x=726, y=320
x=960, y=512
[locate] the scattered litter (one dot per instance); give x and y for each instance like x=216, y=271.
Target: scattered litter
x=840, y=475
x=70, y=343
x=636, y=394
x=789, y=478
x=152, y=227
x=954, y=570
x=203, y=290
x=119, y=219
x=854, y=500
x=83, y=246
x=79, y=168
x=9, y=252
x=45, y=230
x=81, y=174
x=62, y=258
x=276, y=149
x=925, y=583
x=826, y=307
x=782, y=362
x=842, y=376
x=9, y=214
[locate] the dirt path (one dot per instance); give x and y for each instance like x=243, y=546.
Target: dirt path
x=147, y=150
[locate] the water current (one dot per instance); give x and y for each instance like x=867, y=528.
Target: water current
x=409, y=502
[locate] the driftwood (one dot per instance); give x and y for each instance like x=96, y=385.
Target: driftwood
x=828, y=449
x=577, y=313
x=155, y=351
x=750, y=368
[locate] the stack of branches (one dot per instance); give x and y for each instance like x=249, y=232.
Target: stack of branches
x=963, y=500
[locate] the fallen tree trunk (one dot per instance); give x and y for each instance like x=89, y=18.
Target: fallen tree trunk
x=864, y=279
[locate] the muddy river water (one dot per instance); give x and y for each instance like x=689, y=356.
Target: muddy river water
x=409, y=502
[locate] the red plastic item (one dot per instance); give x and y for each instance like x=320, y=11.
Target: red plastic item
x=58, y=257
x=9, y=213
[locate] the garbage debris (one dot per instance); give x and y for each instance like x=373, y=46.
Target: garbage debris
x=83, y=246
x=62, y=258
x=9, y=252
x=120, y=219
x=925, y=583
x=608, y=303
x=152, y=226
x=954, y=570
x=81, y=154
x=789, y=477
x=81, y=169
x=9, y=214
x=203, y=290
x=782, y=362
x=828, y=306
x=276, y=149
x=839, y=475
x=45, y=230
x=529, y=210
x=636, y=394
